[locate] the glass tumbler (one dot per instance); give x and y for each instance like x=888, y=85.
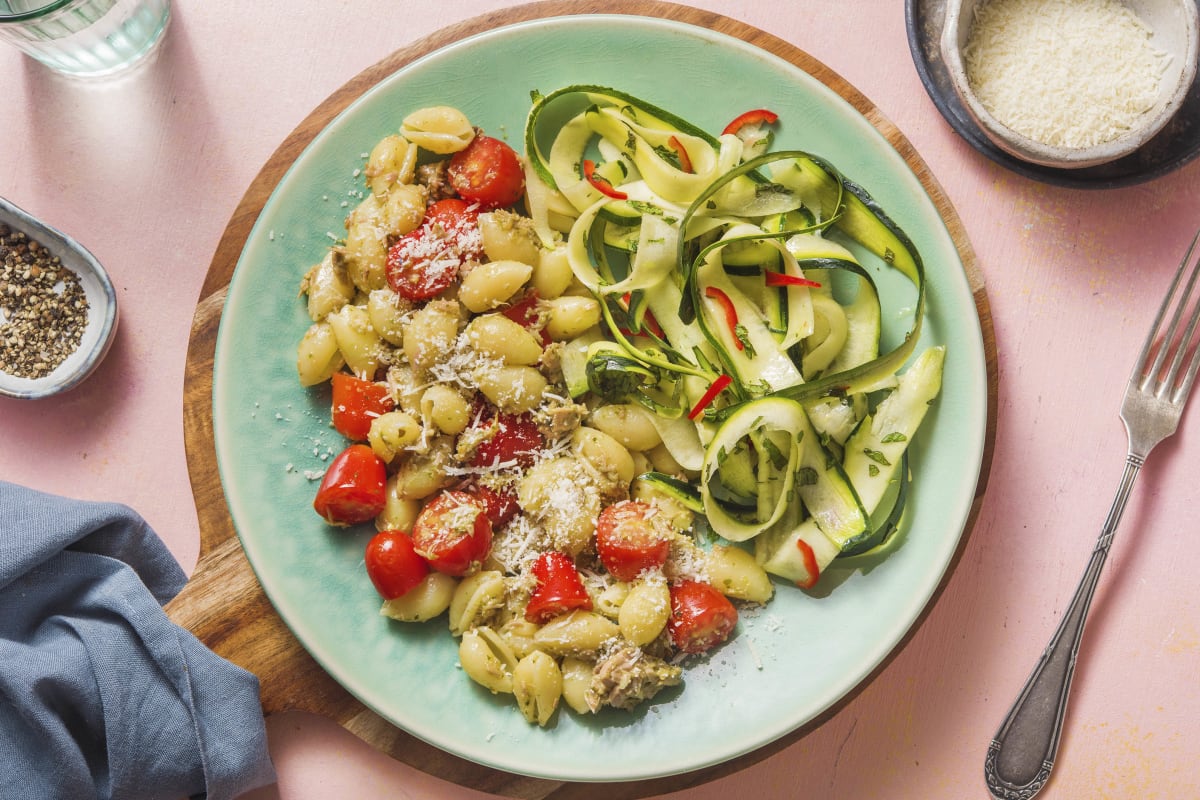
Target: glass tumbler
x=85, y=38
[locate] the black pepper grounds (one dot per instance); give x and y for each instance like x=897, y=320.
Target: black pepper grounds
x=43, y=308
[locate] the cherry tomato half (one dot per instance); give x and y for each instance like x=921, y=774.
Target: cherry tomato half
x=499, y=505
x=524, y=312
x=453, y=214
x=559, y=588
x=356, y=402
x=487, y=172
x=354, y=487
x=513, y=438
x=424, y=262
x=632, y=536
x=701, y=617
x=453, y=533
x=393, y=564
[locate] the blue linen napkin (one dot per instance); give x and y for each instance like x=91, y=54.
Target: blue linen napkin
x=101, y=695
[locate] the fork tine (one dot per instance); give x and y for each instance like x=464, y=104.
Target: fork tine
x=1181, y=301
x=1185, y=341
x=1188, y=343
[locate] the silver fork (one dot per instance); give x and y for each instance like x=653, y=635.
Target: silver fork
x=1021, y=755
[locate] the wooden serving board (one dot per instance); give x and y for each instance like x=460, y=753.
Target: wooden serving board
x=223, y=603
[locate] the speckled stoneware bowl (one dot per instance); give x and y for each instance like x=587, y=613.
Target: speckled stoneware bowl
x=1176, y=31
x=101, y=323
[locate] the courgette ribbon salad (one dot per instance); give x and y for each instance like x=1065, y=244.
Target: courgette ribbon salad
x=595, y=396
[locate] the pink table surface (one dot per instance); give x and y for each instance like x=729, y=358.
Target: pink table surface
x=147, y=172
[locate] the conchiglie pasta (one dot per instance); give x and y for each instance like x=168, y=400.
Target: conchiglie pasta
x=497, y=336
x=645, y=612
x=386, y=315
x=445, y=409
x=551, y=273
x=328, y=286
x=398, y=513
x=487, y=659
x=514, y=390
x=608, y=456
x=365, y=248
x=568, y=317
x=492, y=284
x=507, y=237
x=422, y=474
x=391, y=432
x=609, y=599
x=439, y=129
x=576, y=633
x=404, y=209
x=559, y=495
x=430, y=334
x=518, y=632
x=318, y=356
x=428, y=599
x=392, y=161
x=475, y=599
x=734, y=573
x=537, y=685
x=630, y=425
x=577, y=674
x=356, y=339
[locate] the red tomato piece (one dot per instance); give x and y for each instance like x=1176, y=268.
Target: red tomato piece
x=631, y=537
x=487, y=172
x=424, y=262
x=559, y=588
x=354, y=487
x=515, y=438
x=393, y=564
x=419, y=267
x=500, y=506
x=453, y=533
x=701, y=617
x=356, y=402
x=451, y=213
x=524, y=312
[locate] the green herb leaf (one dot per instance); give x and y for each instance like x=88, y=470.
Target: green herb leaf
x=876, y=456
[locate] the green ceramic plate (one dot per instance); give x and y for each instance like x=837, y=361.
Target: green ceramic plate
x=789, y=661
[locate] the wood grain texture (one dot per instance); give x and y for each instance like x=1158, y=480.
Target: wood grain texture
x=224, y=604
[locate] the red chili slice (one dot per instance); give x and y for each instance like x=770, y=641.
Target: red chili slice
x=758, y=116
x=599, y=183
x=706, y=399
x=731, y=317
x=685, y=161
x=783, y=279
x=649, y=323
x=810, y=564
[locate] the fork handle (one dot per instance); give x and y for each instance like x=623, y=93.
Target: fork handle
x=1021, y=755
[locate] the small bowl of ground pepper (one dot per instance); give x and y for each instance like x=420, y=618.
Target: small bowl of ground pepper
x=58, y=309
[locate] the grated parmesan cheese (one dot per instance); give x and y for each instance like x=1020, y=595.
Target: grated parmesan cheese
x=1067, y=73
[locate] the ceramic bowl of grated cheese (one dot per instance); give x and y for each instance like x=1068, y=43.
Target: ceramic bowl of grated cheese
x=1071, y=83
